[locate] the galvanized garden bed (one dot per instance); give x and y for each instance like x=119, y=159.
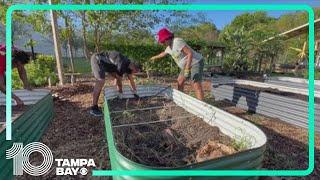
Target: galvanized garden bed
x=288, y=102
x=27, y=126
x=293, y=82
x=230, y=125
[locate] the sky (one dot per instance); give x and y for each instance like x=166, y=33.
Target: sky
x=222, y=18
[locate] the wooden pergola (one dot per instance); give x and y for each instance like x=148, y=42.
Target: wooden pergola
x=214, y=60
x=303, y=29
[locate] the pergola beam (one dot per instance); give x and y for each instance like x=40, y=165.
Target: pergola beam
x=303, y=29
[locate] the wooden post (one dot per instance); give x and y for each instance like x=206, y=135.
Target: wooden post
x=70, y=51
x=57, y=47
x=49, y=82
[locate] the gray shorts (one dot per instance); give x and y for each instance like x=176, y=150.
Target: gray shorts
x=99, y=70
x=196, y=72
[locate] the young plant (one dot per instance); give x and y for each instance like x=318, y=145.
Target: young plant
x=128, y=115
x=242, y=143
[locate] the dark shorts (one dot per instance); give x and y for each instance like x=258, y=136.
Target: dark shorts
x=196, y=72
x=99, y=69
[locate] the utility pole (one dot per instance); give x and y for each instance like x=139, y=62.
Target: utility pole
x=57, y=47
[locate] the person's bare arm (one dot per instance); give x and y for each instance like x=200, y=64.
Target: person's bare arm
x=23, y=76
x=133, y=86
x=132, y=83
x=118, y=81
x=3, y=90
x=161, y=55
x=188, y=53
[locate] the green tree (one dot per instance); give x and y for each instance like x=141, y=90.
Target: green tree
x=238, y=46
x=246, y=48
x=206, y=32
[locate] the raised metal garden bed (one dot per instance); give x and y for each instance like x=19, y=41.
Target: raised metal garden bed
x=28, y=126
x=293, y=82
x=230, y=125
x=289, y=103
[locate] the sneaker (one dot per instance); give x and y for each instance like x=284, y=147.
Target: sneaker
x=95, y=111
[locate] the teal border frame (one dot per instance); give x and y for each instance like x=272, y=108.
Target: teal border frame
x=205, y=7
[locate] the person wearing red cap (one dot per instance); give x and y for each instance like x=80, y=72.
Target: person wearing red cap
x=19, y=59
x=189, y=61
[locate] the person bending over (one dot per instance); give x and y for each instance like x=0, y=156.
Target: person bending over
x=19, y=60
x=115, y=64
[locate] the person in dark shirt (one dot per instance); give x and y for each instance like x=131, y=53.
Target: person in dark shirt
x=115, y=64
x=19, y=60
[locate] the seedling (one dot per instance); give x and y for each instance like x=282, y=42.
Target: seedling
x=242, y=143
x=128, y=114
x=192, y=93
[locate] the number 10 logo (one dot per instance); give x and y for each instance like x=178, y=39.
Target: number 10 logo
x=20, y=156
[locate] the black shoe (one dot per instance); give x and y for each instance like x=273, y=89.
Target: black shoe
x=95, y=111
x=136, y=96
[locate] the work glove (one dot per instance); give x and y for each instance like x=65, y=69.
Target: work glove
x=187, y=73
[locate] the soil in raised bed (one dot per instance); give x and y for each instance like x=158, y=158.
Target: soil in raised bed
x=167, y=143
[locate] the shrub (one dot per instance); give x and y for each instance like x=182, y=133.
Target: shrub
x=38, y=71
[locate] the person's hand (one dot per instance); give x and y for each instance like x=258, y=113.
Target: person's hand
x=115, y=81
x=187, y=73
x=19, y=102
x=153, y=58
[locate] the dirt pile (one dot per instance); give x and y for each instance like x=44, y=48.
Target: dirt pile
x=213, y=150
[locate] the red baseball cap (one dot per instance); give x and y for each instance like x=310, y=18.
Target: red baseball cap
x=164, y=34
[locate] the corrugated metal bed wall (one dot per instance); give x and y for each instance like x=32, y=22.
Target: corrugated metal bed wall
x=286, y=108
x=248, y=159
x=29, y=127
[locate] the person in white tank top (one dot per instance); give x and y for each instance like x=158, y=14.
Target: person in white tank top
x=189, y=61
